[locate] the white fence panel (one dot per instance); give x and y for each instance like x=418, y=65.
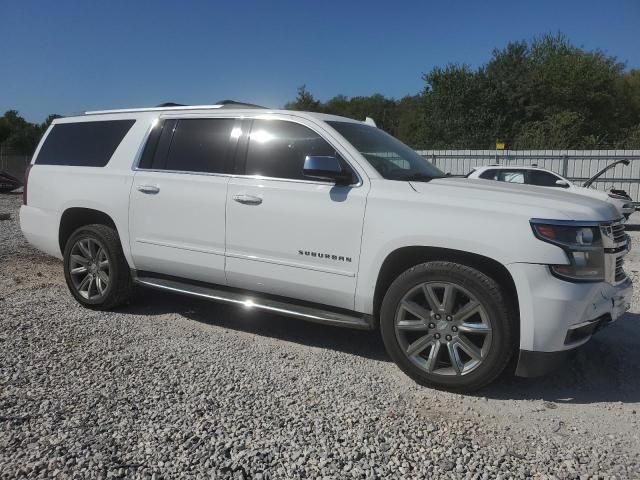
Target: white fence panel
x=576, y=165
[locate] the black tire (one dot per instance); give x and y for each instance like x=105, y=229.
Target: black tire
x=492, y=298
x=120, y=285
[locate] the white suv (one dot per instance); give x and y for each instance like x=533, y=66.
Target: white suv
x=542, y=177
x=329, y=220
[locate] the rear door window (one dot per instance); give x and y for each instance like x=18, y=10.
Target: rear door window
x=200, y=145
x=83, y=144
x=157, y=146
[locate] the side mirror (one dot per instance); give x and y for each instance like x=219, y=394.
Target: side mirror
x=562, y=183
x=326, y=168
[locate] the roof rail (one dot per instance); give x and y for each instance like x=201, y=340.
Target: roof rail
x=234, y=104
x=177, y=106
x=153, y=109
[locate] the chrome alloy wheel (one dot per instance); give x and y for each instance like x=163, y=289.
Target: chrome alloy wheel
x=89, y=268
x=443, y=329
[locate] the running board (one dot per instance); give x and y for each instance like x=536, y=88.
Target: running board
x=311, y=314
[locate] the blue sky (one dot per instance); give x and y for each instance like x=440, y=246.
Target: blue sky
x=67, y=56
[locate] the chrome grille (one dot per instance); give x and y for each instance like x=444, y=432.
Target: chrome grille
x=620, y=274
x=615, y=247
x=618, y=233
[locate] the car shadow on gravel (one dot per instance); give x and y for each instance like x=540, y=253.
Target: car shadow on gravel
x=603, y=370
x=366, y=344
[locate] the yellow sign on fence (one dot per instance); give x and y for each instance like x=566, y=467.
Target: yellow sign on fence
x=500, y=145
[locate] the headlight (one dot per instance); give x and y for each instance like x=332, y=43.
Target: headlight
x=583, y=246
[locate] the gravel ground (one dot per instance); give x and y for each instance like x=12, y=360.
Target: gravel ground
x=173, y=387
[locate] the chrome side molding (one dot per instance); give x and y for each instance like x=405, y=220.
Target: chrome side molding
x=303, y=312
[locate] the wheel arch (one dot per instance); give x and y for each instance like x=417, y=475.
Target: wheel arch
x=404, y=258
x=75, y=217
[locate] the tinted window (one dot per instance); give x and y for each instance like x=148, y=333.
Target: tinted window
x=516, y=176
x=199, y=145
x=151, y=146
x=83, y=144
x=543, y=179
x=278, y=148
x=160, y=148
x=488, y=174
x=510, y=176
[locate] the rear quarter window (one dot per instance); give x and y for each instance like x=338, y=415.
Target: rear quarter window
x=83, y=144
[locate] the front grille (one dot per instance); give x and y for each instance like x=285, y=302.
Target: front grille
x=618, y=233
x=615, y=242
x=620, y=275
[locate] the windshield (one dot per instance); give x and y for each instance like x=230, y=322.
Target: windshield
x=389, y=156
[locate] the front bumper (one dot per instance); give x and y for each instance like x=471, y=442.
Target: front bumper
x=557, y=316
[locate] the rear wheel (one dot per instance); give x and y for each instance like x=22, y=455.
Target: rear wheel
x=95, y=269
x=447, y=325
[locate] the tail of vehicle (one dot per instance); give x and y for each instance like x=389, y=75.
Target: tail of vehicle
x=24, y=184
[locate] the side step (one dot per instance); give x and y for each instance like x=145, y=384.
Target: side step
x=311, y=314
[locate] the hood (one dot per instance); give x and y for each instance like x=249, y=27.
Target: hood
x=528, y=200
x=622, y=161
x=591, y=192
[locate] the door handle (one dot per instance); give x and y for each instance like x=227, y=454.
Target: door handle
x=148, y=189
x=247, y=199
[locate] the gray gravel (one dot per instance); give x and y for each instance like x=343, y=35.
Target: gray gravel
x=171, y=387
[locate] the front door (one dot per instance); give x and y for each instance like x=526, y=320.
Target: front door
x=287, y=234
x=177, y=203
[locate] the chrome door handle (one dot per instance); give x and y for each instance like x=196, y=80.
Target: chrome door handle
x=247, y=199
x=148, y=188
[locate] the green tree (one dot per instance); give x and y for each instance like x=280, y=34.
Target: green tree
x=632, y=140
x=19, y=136
x=378, y=107
x=456, y=108
x=304, y=101
x=558, y=131
x=545, y=93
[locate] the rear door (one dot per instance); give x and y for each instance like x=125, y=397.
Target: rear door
x=287, y=234
x=177, y=204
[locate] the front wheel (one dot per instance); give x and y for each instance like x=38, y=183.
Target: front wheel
x=95, y=269
x=448, y=326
